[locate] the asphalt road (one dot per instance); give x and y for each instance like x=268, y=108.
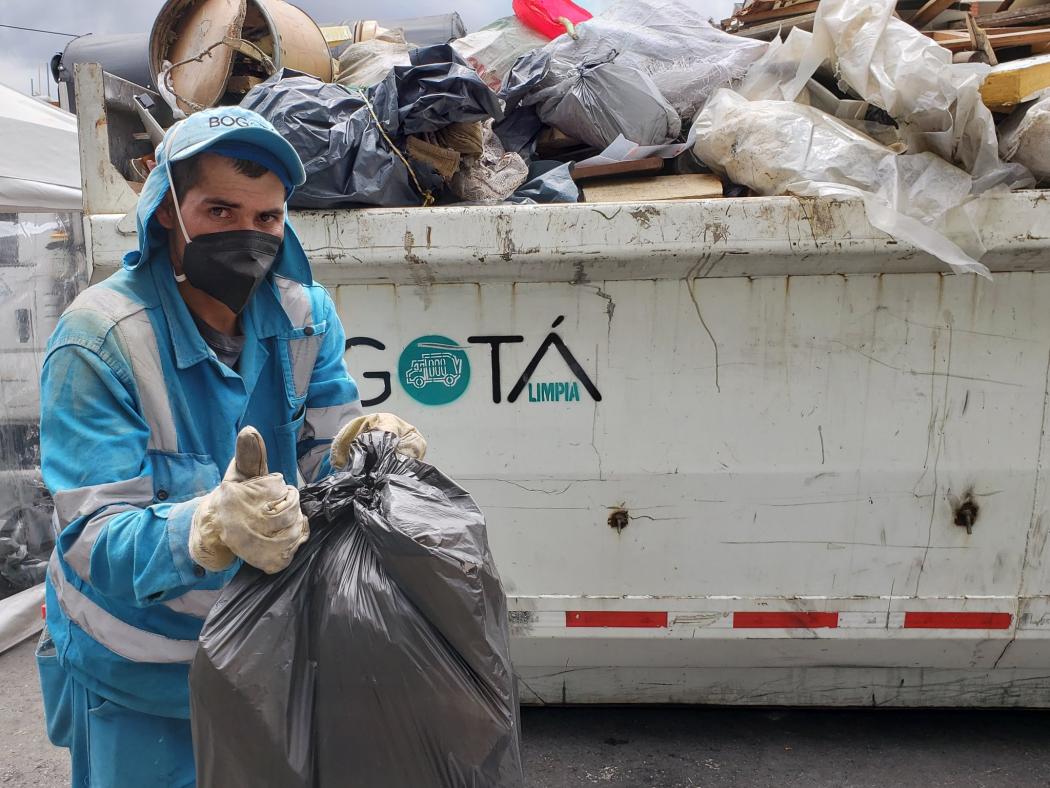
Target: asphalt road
x=678, y=747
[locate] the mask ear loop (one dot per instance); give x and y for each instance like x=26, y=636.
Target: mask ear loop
x=180, y=278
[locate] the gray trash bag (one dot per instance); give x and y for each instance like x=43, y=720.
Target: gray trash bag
x=595, y=101
x=380, y=658
x=347, y=158
x=549, y=181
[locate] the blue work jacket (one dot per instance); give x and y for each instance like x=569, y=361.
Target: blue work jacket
x=138, y=420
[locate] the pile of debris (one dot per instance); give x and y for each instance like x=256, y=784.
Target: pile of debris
x=918, y=106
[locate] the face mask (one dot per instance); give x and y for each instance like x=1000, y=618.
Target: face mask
x=229, y=266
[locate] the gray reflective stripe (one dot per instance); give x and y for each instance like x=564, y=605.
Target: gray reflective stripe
x=296, y=301
x=194, y=603
x=71, y=504
x=118, y=636
x=310, y=462
x=302, y=351
x=323, y=424
x=140, y=343
x=79, y=555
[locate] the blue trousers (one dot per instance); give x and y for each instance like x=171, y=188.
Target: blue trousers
x=111, y=745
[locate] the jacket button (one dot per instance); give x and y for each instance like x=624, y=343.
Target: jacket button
x=198, y=570
x=309, y=331
x=162, y=495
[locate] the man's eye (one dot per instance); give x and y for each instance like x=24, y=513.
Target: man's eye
x=220, y=213
x=268, y=218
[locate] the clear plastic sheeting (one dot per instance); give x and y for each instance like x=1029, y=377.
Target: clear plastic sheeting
x=379, y=657
x=42, y=267
x=890, y=64
x=367, y=63
x=493, y=50
x=1024, y=137
x=782, y=147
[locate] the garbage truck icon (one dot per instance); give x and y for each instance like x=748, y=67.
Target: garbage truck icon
x=441, y=367
x=434, y=370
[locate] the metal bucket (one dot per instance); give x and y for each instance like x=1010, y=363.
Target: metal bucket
x=208, y=52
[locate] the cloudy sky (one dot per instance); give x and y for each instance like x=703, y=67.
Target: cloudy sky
x=24, y=55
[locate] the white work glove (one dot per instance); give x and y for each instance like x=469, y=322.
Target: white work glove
x=410, y=441
x=252, y=515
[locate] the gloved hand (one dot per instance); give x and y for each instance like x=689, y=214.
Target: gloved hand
x=411, y=442
x=251, y=514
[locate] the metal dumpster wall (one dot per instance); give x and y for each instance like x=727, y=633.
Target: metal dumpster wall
x=665, y=463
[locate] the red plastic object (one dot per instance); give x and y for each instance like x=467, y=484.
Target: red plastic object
x=544, y=16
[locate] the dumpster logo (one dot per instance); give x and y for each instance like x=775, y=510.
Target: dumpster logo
x=434, y=370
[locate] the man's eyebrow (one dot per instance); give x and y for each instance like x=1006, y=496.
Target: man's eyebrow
x=218, y=201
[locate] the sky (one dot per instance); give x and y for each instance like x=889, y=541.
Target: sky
x=25, y=55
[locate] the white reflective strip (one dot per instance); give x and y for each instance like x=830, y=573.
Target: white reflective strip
x=118, y=636
x=194, y=603
x=79, y=555
x=71, y=504
x=296, y=301
x=303, y=354
x=140, y=342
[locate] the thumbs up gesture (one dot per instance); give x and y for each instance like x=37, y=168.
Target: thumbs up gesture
x=252, y=515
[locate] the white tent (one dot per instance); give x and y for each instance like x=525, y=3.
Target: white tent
x=39, y=155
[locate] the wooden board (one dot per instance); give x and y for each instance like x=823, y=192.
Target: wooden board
x=777, y=13
x=660, y=187
x=1021, y=16
x=958, y=41
x=1011, y=83
x=769, y=30
x=930, y=11
x=636, y=167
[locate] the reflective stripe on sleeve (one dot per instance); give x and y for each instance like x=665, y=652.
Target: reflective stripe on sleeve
x=194, y=603
x=118, y=636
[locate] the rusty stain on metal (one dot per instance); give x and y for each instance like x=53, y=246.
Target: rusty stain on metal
x=965, y=511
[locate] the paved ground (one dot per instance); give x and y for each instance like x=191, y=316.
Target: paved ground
x=677, y=747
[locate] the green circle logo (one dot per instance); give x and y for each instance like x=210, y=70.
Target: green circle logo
x=433, y=370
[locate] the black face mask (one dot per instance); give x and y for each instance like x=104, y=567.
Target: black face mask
x=230, y=265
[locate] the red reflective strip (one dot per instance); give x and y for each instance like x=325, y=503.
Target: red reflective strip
x=957, y=620
x=615, y=618
x=43, y=611
x=784, y=620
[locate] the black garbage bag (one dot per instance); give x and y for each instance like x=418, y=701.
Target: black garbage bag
x=378, y=659
x=348, y=159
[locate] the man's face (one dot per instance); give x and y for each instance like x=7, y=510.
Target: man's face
x=224, y=199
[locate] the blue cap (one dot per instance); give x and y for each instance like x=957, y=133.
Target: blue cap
x=236, y=131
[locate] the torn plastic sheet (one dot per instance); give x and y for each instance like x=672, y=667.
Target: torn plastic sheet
x=890, y=64
x=42, y=268
x=493, y=50
x=379, y=657
x=782, y=147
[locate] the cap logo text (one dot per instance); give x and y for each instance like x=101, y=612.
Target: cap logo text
x=228, y=120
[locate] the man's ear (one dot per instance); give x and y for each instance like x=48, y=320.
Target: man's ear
x=166, y=213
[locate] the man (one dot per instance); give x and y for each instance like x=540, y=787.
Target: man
x=213, y=328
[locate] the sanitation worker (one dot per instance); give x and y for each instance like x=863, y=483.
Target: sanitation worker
x=213, y=328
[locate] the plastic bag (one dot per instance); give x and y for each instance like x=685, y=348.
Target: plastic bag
x=548, y=182
x=379, y=657
x=594, y=102
x=781, y=147
x=1024, y=137
x=550, y=18
x=367, y=63
x=493, y=50
x=899, y=69
x=671, y=42
x=347, y=157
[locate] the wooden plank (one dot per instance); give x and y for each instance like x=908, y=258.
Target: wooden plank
x=951, y=39
x=636, y=167
x=1022, y=16
x=778, y=13
x=769, y=30
x=930, y=11
x=660, y=187
x=1011, y=83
